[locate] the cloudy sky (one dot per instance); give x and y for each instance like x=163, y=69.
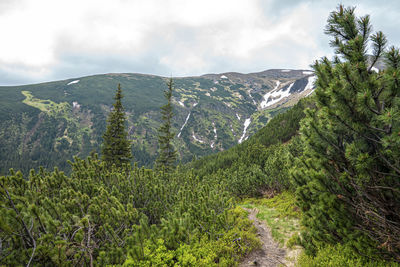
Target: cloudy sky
x=44, y=40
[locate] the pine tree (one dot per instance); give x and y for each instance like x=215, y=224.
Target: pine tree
x=349, y=180
x=116, y=147
x=167, y=155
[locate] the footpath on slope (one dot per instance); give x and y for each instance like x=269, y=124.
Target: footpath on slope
x=270, y=254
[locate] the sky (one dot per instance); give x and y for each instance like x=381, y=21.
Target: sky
x=47, y=40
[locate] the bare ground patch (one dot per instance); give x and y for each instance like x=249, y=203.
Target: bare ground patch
x=270, y=254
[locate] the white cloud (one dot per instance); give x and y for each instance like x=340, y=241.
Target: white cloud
x=47, y=39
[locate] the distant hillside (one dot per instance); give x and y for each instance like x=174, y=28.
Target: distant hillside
x=255, y=152
x=49, y=123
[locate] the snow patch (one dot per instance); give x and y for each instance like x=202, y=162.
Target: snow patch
x=223, y=77
x=195, y=104
x=196, y=139
x=375, y=69
x=286, y=70
x=215, y=132
x=76, y=105
x=307, y=72
x=237, y=116
x=233, y=131
x=76, y=81
x=215, y=82
x=310, y=84
x=183, y=126
x=215, y=136
x=290, y=87
x=254, y=102
x=275, y=95
x=227, y=104
x=181, y=103
x=246, y=125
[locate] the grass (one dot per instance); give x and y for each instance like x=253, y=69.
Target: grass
x=283, y=218
x=280, y=214
x=47, y=106
x=43, y=105
x=61, y=110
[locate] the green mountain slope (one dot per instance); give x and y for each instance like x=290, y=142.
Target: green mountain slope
x=265, y=152
x=49, y=123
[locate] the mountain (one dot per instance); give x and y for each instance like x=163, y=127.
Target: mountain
x=46, y=124
x=254, y=158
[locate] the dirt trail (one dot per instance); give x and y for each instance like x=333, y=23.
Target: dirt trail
x=270, y=254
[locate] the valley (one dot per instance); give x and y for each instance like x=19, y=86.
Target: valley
x=281, y=167
x=52, y=122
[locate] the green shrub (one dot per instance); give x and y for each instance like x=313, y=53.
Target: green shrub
x=227, y=250
x=280, y=214
x=348, y=176
x=100, y=216
x=260, y=163
x=293, y=241
x=339, y=256
x=284, y=204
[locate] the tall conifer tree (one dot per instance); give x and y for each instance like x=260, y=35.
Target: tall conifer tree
x=349, y=182
x=167, y=155
x=116, y=147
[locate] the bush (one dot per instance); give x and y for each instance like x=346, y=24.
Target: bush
x=348, y=177
x=99, y=215
x=227, y=250
x=339, y=256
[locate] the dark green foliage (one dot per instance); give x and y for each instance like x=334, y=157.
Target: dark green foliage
x=83, y=127
x=278, y=130
x=58, y=220
x=100, y=215
x=167, y=154
x=30, y=153
x=227, y=250
x=262, y=162
x=116, y=147
x=349, y=177
x=283, y=126
x=339, y=256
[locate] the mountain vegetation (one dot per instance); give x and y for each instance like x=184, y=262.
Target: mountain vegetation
x=103, y=214
x=47, y=124
x=348, y=176
x=167, y=155
x=338, y=151
x=330, y=163
x=262, y=162
x=116, y=148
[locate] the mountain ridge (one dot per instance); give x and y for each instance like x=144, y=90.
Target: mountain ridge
x=67, y=117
